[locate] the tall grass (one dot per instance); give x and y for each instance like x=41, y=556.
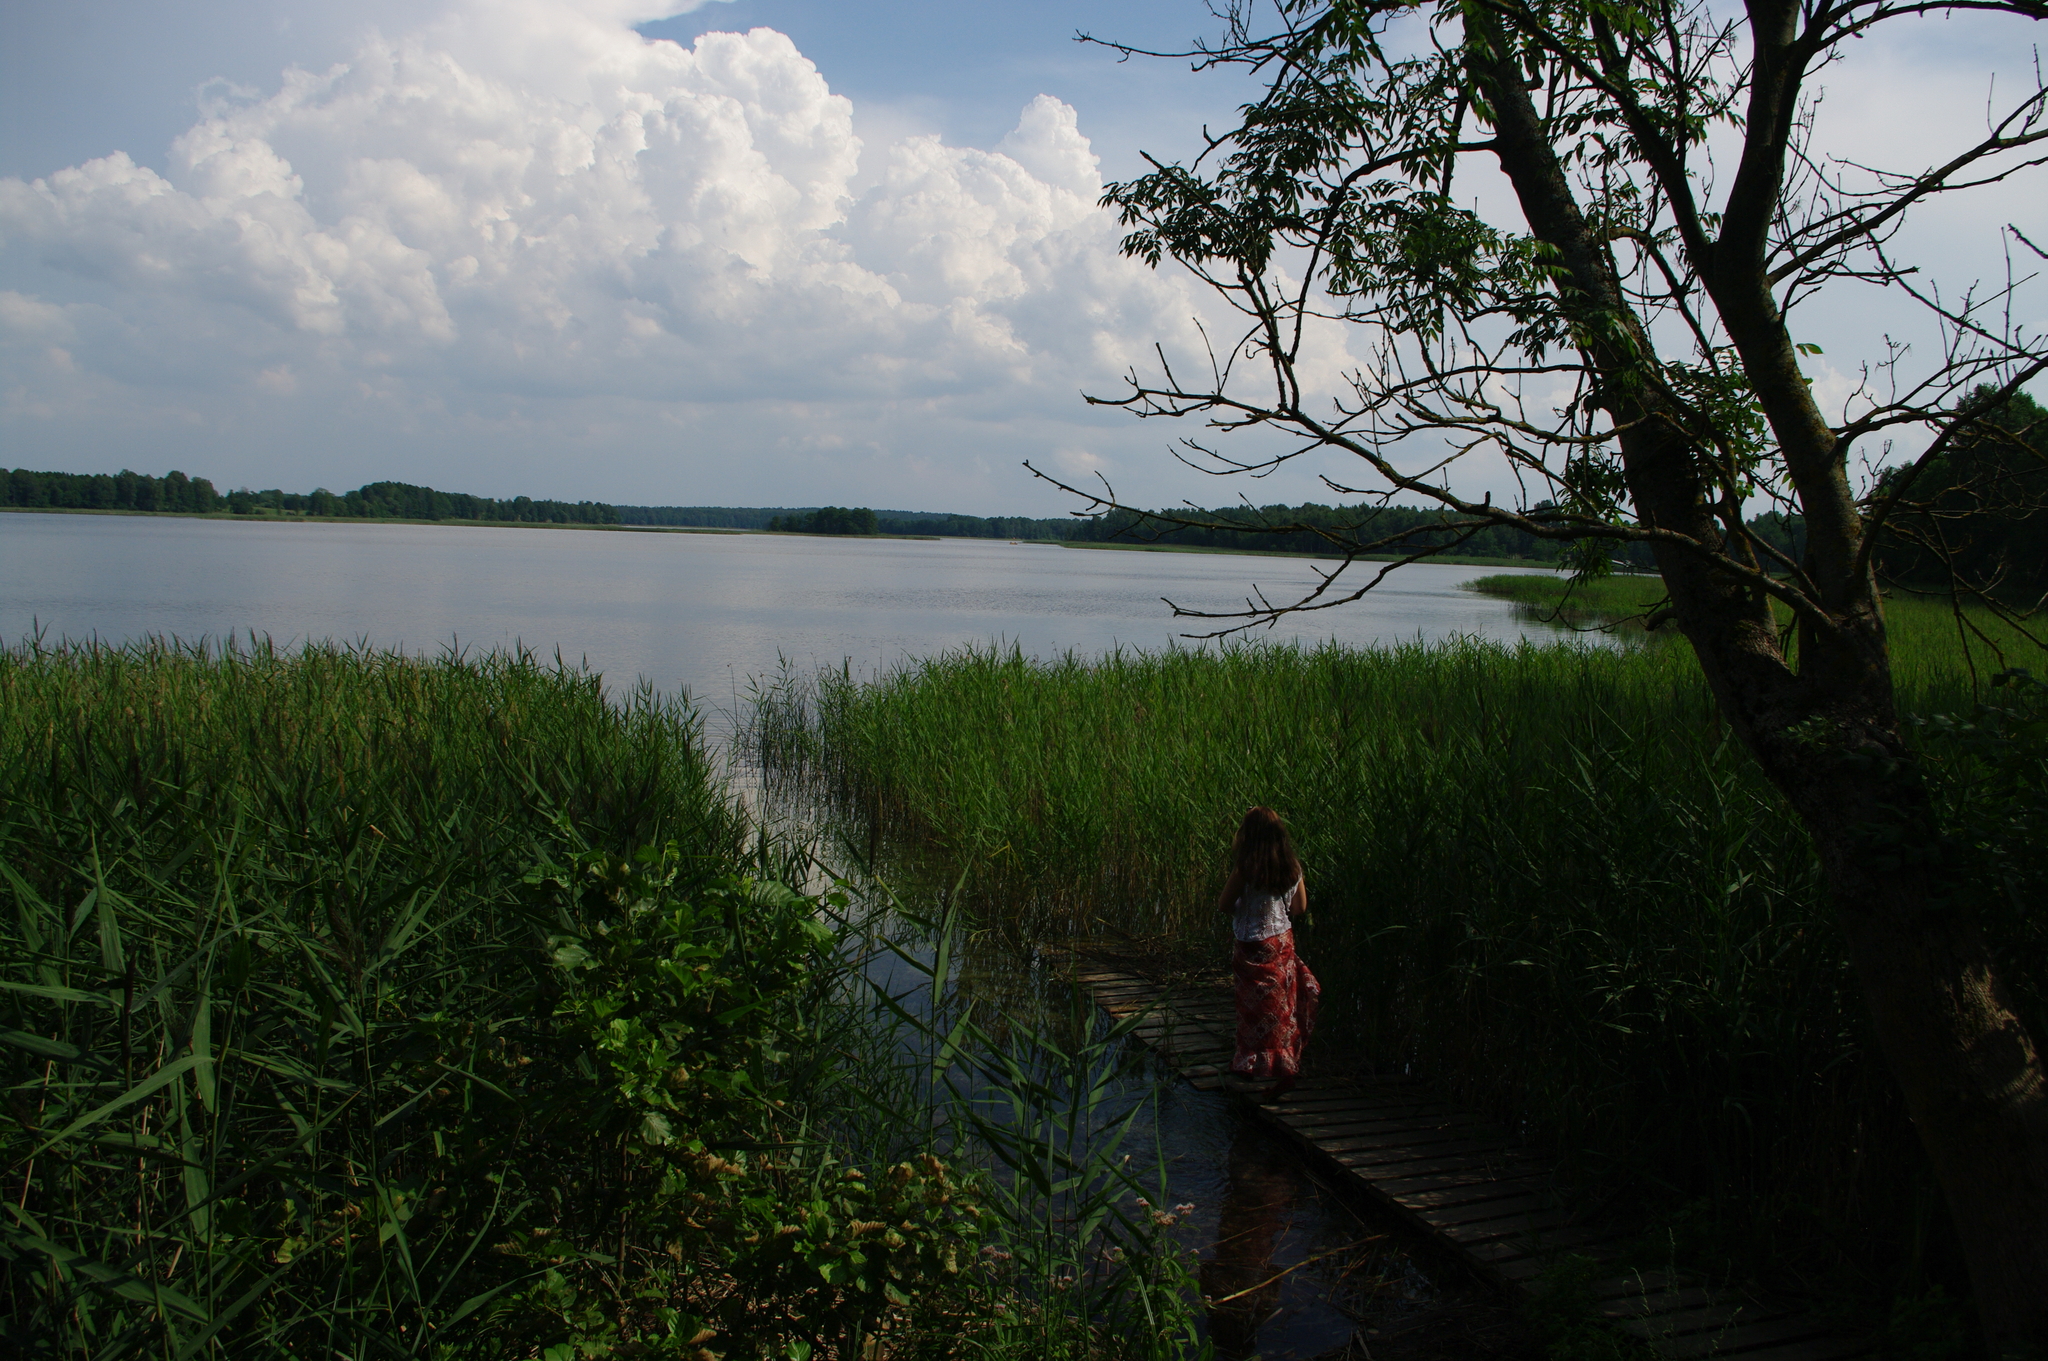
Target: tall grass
x=371, y=1006
x=1936, y=642
x=273, y=976
x=1541, y=875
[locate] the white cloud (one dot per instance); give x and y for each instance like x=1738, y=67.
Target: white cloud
x=526, y=206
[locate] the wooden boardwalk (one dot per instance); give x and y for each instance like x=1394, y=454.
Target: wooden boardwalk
x=1466, y=1185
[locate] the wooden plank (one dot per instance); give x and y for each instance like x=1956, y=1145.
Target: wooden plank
x=1547, y=1247
x=1535, y=1227
x=1547, y=1233
x=1478, y=1211
x=1834, y=1348
x=1718, y=1317
x=1471, y=1194
x=1392, y=1133
x=1655, y=1302
x=1432, y=1130
x=1482, y=1196
x=1403, y=1138
x=1393, y=1167
x=1640, y=1283
x=1366, y=1120
x=1334, y=1114
x=1398, y=1091
x=1405, y=1163
x=1522, y=1271
x=1738, y=1340
x=1490, y=1172
x=1469, y=1152
x=1307, y=1099
x=1205, y=1032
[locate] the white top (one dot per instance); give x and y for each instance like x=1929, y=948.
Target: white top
x=1262, y=914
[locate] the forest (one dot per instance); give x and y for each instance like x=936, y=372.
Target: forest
x=174, y=492
x=177, y=494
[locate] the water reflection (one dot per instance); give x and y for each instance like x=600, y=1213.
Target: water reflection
x=1239, y=1283
x=685, y=611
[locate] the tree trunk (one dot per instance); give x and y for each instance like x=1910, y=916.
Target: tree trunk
x=1970, y=1072
x=1827, y=736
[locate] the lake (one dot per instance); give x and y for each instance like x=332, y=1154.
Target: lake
x=704, y=613
x=696, y=612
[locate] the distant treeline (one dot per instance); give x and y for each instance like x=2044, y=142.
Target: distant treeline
x=827, y=520
x=1273, y=529
x=124, y=490
x=178, y=494
x=885, y=521
x=1118, y=526
x=1268, y=529
x=1227, y=527
x=403, y=501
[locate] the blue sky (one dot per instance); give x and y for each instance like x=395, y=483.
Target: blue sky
x=799, y=252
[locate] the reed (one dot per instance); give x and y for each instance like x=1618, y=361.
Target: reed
x=1542, y=875
x=380, y=1006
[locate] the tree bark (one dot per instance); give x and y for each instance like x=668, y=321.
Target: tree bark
x=1826, y=735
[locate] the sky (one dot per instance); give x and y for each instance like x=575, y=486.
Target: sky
x=747, y=252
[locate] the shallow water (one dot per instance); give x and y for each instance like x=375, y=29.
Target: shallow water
x=1291, y=1268
x=1288, y=1267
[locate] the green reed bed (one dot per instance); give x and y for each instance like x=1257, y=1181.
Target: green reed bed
x=1541, y=875
x=361, y=1005
x=1935, y=641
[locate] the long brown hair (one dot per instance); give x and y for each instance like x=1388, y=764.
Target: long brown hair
x=1264, y=852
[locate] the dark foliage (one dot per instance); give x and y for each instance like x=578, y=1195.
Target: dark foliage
x=827, y=520
x=124, y=490
x=1977, y=514
x=178, y=494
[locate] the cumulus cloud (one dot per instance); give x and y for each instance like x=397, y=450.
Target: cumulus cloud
x=528, y=205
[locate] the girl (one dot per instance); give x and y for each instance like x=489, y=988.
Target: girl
x=1276, y=994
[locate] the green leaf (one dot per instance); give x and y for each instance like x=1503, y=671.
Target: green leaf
x=42, y=1047
x=202, y=1048
x=123, y=1283
x=57, y=994
x=169, y=1073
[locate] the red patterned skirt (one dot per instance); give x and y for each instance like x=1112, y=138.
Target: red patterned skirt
x=1276, y=1008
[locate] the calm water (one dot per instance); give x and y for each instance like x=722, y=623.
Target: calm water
x=687, y=611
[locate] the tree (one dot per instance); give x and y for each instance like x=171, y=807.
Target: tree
x=1628, y=351
x=1977, y=515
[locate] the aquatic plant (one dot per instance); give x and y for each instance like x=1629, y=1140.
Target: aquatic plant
x=1541, y=875
x=378, y=1005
